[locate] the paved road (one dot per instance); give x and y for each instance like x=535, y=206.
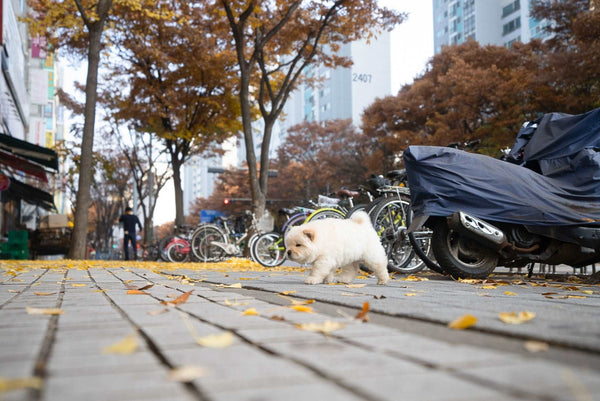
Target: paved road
x=405, y=352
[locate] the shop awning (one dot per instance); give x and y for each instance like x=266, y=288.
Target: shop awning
x=30, y=194
x=17, y=163
x=38, y=154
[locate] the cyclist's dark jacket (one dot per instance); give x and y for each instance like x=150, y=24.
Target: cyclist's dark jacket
x=129, y=221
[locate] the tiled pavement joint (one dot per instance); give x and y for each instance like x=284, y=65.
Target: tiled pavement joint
x=39, y=369
x=357, y=391
x=152, y=346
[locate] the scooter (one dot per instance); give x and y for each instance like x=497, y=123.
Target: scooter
x=541, y=204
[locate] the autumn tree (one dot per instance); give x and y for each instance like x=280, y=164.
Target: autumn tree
x=470, y=91
x=571, y=73
x=170, y=77
x=143, y=157
x=467, y=92
x=77, y=26
x=275, y=42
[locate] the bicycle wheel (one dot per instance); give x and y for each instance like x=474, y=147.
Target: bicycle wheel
x=176, y=254
x=268, y=249
x=202, y=242
x=326, y=213
x=389, y=219
x=162, y=247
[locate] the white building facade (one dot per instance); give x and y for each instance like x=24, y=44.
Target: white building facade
x=498, y=22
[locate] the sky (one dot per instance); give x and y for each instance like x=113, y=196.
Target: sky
x=411, y=49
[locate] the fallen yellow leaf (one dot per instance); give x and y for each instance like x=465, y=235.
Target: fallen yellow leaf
x=516, y=318
x=463, y=322
x=126, y=346
x=44, y=293
x=414, y=278
x=589, y=292
x=136, y=292
x=509, y=293
x=410, y=294
x=325, y=327
x=78, y=285
x=536, y=346
x=288, y=292
x=488, y=287
x=223, y=340
x=301, y=308
x=19, y=383
x=250, y=312
x=236, y=285
x=99, y=290
x=186, y=373
x=576, y=296
x=355, y=285
x=44, y=311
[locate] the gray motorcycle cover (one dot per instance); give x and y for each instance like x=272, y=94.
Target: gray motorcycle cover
x=564, y=149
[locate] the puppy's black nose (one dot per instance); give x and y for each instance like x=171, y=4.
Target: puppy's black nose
x=289, y=253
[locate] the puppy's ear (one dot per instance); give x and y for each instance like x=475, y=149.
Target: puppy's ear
x=310, y=234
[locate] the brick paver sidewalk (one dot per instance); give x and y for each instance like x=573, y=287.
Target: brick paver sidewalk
x=266, y=356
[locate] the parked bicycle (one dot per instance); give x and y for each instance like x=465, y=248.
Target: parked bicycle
x=227, y=237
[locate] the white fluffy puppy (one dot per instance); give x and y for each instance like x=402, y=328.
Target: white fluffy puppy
x=327, y=244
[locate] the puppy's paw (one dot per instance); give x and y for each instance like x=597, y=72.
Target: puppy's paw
x=344, y=280
x=312, y=280
x=383, y=281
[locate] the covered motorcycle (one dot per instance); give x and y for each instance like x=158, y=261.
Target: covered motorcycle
x=541, y=206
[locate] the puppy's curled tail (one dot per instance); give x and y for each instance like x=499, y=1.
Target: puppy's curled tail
x=360, y=217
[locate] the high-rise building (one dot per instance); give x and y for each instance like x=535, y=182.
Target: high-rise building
x=498, y=22
x=343, y=93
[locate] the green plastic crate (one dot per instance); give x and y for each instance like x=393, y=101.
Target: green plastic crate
x=18, y=237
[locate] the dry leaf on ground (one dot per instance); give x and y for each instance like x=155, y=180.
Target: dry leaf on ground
x=44, y=293
x=536, y=346
x=19, y=383
x=126, y=346
x=250, y=312
x=325, y=327
x=414, y=278
x=223, y=340
x=463, y=322
x=355, y=285
x=363, y=314
x=44, y=311
x=136, y=292
x=516, y=318
x=186, y=373
x=179, y=300
x=301, y=308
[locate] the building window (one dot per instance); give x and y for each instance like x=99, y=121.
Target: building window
x=511, y=8
x=511, y=26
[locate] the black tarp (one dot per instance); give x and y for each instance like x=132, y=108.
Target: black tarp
x=566, y=190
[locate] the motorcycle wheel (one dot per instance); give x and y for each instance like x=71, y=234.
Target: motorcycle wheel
x=459, y=256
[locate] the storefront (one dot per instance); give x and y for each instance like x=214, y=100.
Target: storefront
x=24, y=169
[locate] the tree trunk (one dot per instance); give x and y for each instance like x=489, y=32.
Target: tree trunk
x=179, y=215
x=77, y=249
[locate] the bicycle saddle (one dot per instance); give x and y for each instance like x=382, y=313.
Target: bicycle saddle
x=346, y=193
